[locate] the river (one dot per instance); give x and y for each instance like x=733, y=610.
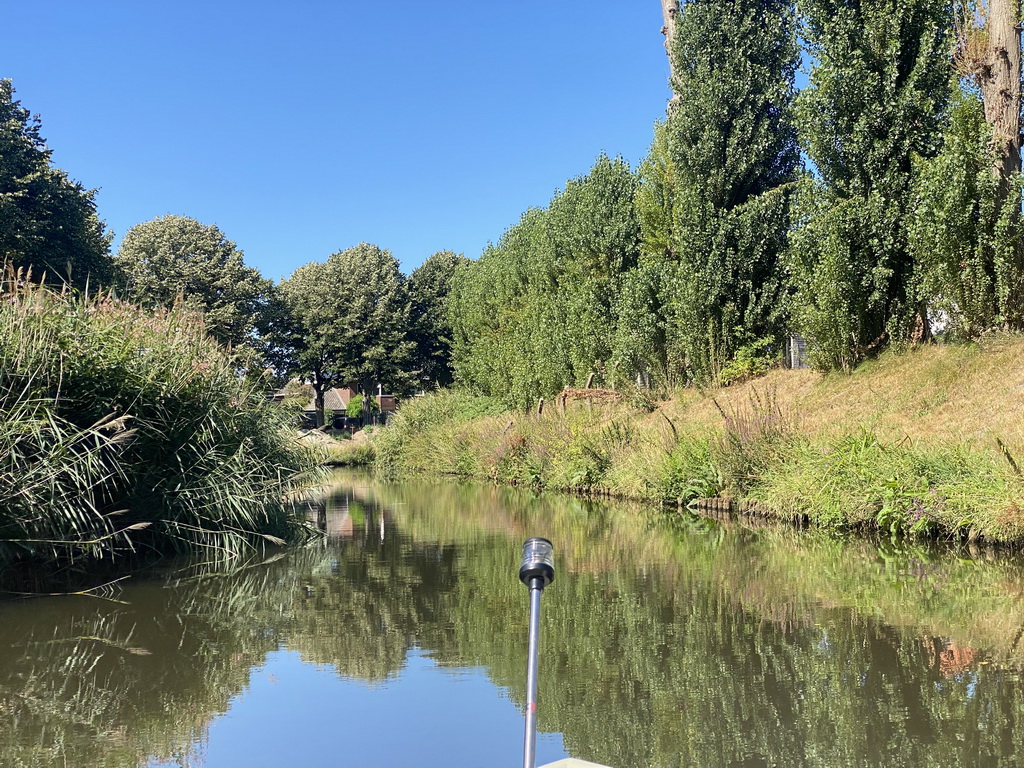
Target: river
x=667, y=640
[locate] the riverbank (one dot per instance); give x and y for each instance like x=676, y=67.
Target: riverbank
x=354, y=449
x=928, y=443
x=126, y=432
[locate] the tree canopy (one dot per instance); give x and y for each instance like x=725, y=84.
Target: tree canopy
x=48, y=222
x=429, y=286
x=536, y=312
x=714, y=199
x=876, y=99
x=176, y=258
x=348, y=322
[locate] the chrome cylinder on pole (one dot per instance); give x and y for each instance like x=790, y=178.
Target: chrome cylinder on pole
x=536, y=571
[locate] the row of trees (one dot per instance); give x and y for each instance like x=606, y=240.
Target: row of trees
x=904, y=210
x=354, y=319
x=882, y=198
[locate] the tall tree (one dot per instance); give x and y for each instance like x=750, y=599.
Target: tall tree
x=969, y=227
x=48, y=222
x=536, y=313
x=713, y=199
x=349, y=322
x=429, y=286
x=176, y=258
x=876, y=100
x=670, y=12
x=988, y=51
x=966, y=229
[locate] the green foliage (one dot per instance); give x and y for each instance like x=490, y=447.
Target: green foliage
x=345, y=321
x=48, y=222
x=429, y=286
x=751, y=360
x=425, y=433
x=860, y=481
x=123, y=430
x=875, y=101
x=966, y=230
x=350, y=453
x=178, y=259
x=536, y=312
x=690, y=473
x=356, y=405
x=756, y=438
x=712, y=200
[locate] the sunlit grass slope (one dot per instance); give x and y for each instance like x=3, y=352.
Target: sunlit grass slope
x=930, y=442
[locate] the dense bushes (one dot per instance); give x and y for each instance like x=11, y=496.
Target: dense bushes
x=122, y=430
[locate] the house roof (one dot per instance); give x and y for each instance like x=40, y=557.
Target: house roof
x=337, y=399
x=334, y=400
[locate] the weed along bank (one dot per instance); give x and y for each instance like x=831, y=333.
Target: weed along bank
x=130, y=433
x=925, y=444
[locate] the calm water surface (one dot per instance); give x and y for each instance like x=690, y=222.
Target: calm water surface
x=400, y=640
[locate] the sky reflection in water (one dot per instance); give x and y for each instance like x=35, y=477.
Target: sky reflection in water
x=667, y=641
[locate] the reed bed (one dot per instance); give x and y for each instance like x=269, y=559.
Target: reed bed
x=123, y=431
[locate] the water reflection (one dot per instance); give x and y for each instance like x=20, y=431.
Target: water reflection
x=666, y=641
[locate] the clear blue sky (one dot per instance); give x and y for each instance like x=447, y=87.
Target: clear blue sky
x=301, y=128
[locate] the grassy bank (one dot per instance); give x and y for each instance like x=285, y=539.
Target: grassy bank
x=927, y=443
x=340, y=451
x=122, y=431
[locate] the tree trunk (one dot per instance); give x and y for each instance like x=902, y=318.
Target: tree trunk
x=318, y=401
x=999, y=79
x=670, y=11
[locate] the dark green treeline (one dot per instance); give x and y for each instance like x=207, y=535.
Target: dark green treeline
x=695, y=267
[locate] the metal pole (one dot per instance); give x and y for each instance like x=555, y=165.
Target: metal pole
x=536, y=571
x=530, y=741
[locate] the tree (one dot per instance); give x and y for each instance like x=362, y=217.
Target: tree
x=670, y=12
x=349, y=320
x=176, y=258
x=429, y=286
x=876, y=100
x=360, y=404
x=966, y=229
x=536, y=313
x=714, y=199
x=988, y=51
x=48, y=222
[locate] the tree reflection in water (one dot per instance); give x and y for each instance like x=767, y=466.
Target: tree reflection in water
x=667, y=641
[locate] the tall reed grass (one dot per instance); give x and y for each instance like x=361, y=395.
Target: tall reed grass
x=123, y=431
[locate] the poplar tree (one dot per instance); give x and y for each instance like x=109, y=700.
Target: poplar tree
x=876, y=101
x=714, y=195
x=536, y=312
x=966, y=229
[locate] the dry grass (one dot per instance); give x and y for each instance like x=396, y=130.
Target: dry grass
x=968, y=394
x=929, y=442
